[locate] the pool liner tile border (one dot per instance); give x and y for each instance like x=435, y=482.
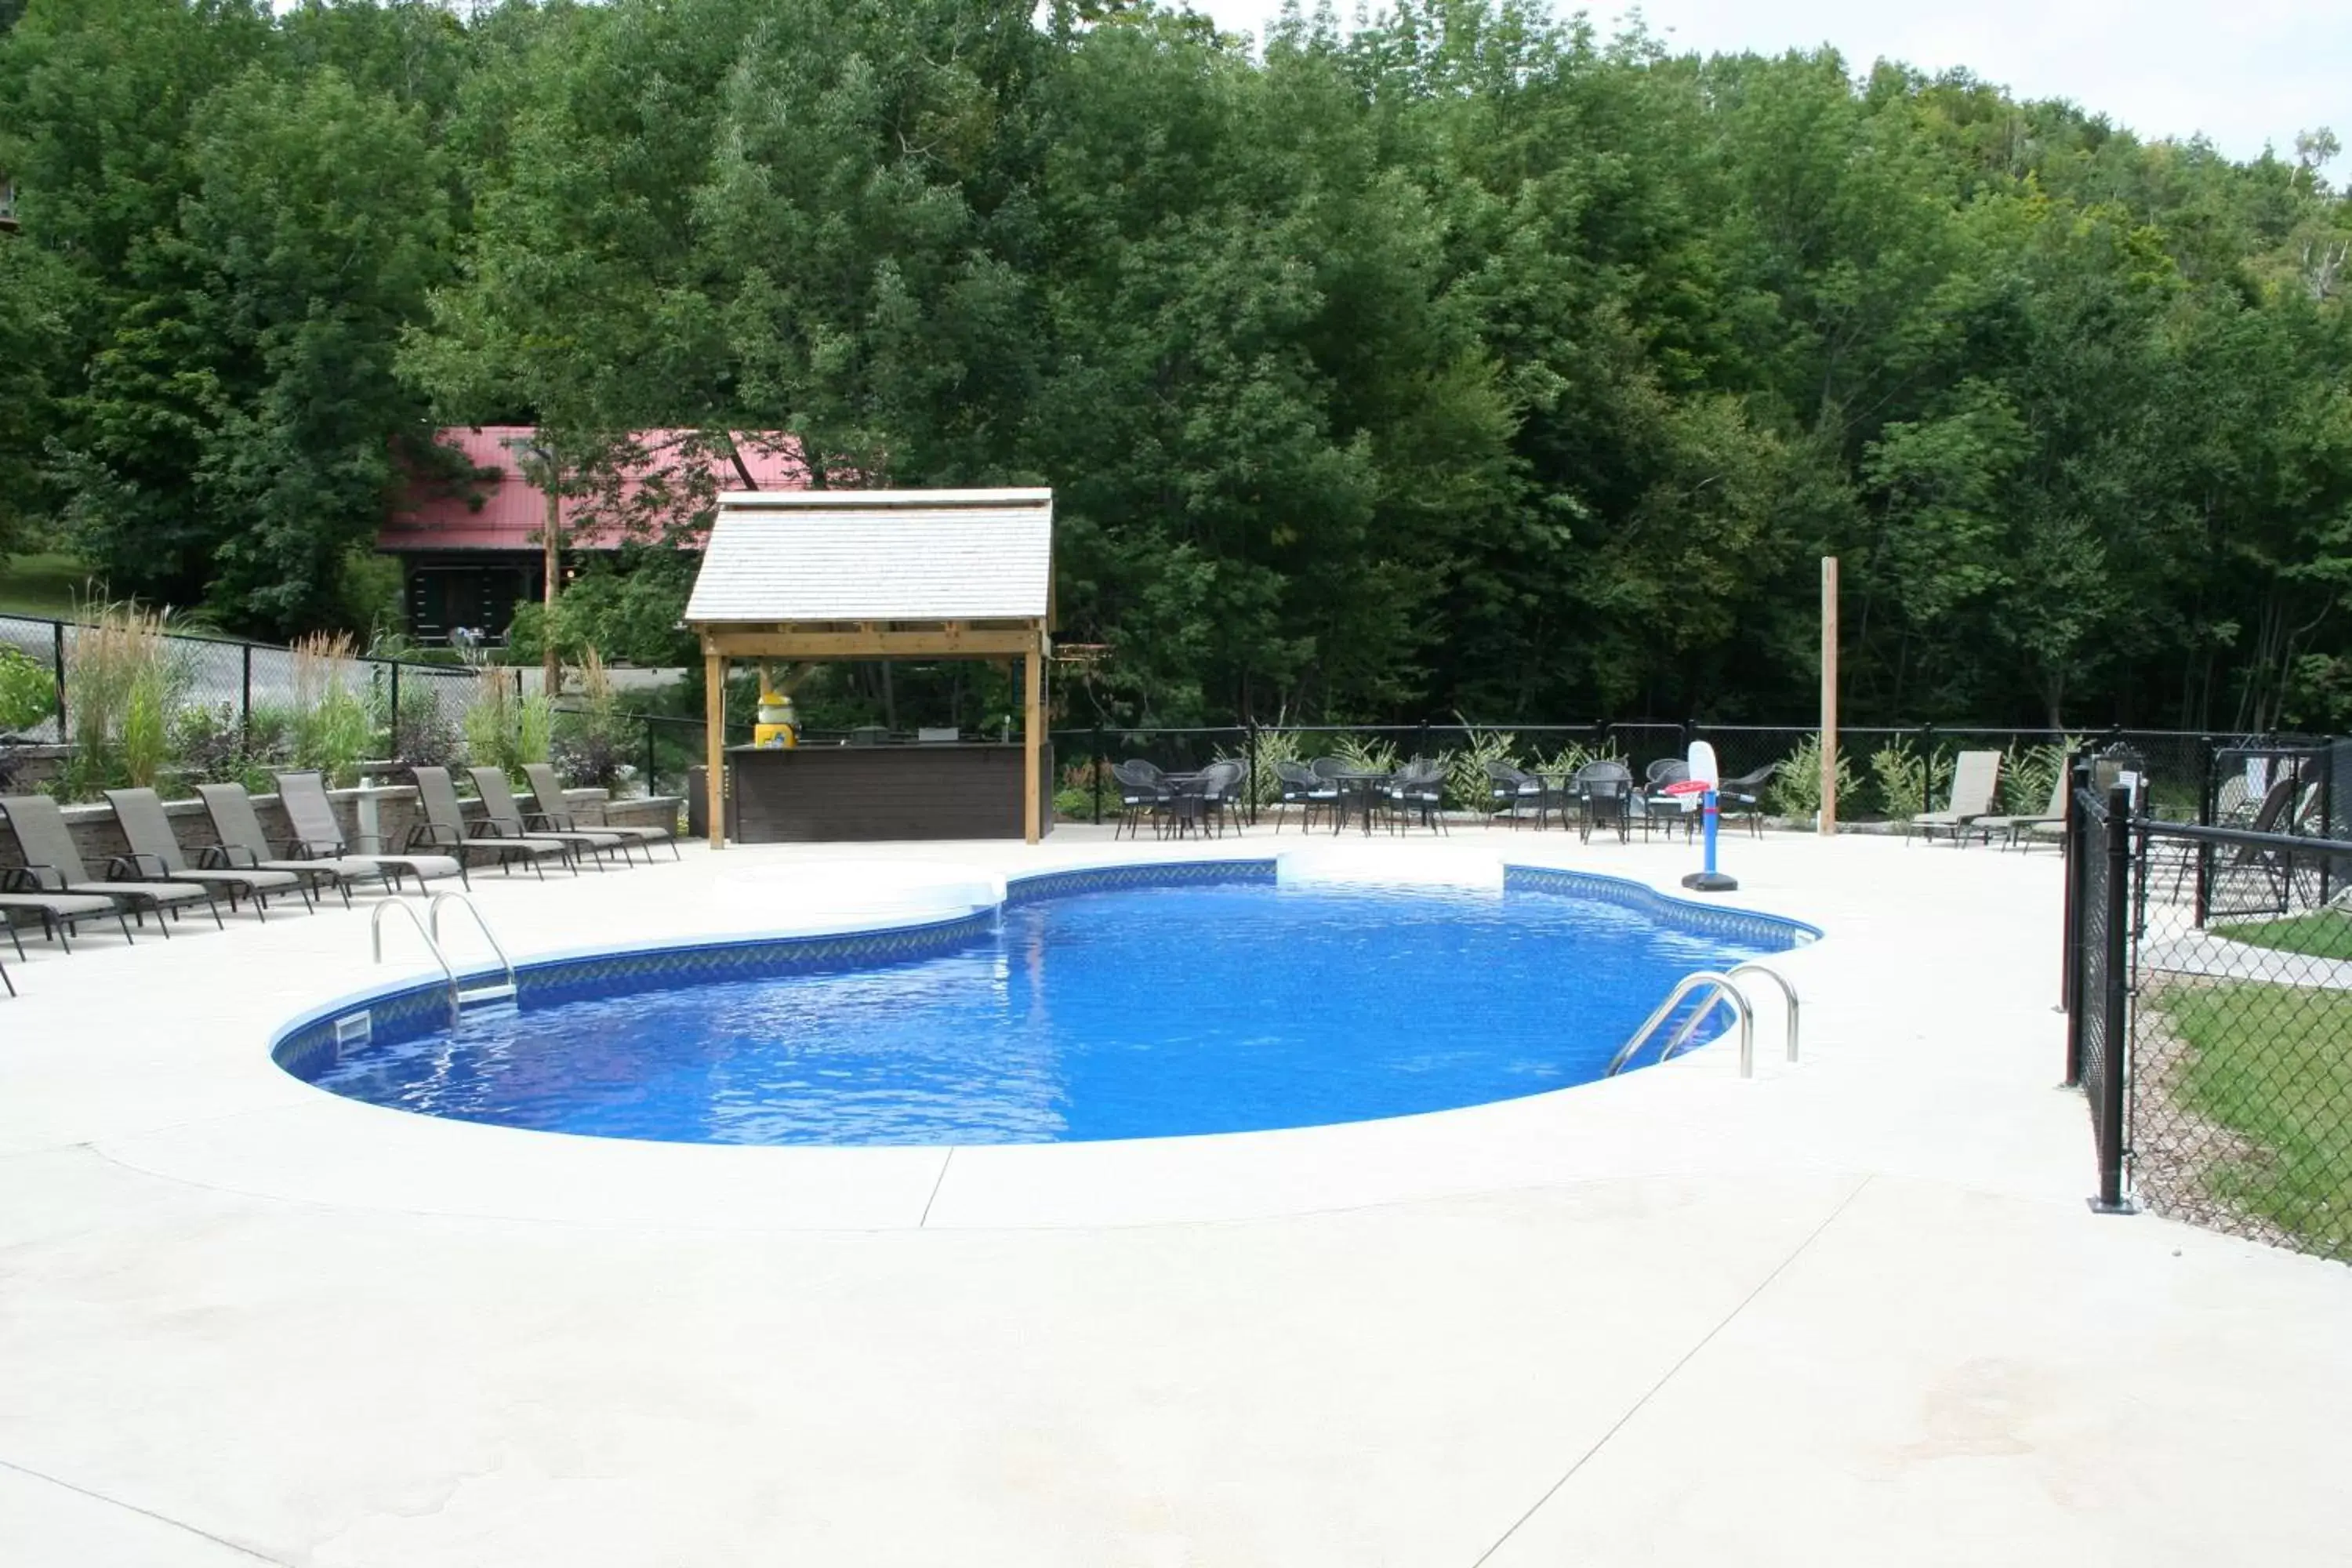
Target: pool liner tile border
x=1778, y=931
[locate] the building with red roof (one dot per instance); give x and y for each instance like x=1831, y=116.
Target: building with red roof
x=473, y=548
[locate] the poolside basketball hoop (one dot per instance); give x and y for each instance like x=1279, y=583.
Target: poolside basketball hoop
x=1703, y=778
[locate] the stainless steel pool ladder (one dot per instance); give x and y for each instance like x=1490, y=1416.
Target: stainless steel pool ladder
x=1714, y=989
x=429, y=930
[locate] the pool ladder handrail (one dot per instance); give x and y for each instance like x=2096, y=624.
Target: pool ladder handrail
x=429, y=931
x=1719, y=989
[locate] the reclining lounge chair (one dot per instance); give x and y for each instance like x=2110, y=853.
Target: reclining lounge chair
x=55, y=866
x=155, y=853
x=1976, y=781
x=317, y=836
x=553, y=814
x=244, y=847
x=444, y=829
x=504, y=815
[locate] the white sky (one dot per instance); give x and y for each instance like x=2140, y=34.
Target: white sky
x=2242, y=72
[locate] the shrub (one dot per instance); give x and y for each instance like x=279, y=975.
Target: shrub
x=488, y=722
x=1274, y=745
x=593, y=736
x=119, y=685
x=333, y=730
x=1796, y=788
x=505, y=730
x=28, y=692
x=422, y=734
x=1467, y=785
x=2028, y=774
x=1906, y=781
x=534, y=732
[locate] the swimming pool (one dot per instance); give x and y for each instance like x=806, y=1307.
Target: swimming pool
x=1131, y=1003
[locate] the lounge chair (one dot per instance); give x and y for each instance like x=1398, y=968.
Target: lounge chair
x=319, y=837
x=2018, y=828
x=58, y=911
x=444, y=827
x=504, y=815
x=155, y=853
x=244, y=846
x=547, y=790
x=60, y=914
x=1976, y=780
x=53, y=864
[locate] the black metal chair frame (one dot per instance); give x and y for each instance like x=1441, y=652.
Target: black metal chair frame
x=1303, y=788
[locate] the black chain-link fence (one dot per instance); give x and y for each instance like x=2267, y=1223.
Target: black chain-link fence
x=1884, y=772
x=2210, y=975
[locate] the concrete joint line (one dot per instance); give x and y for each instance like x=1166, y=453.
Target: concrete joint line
x=937, y=1182
x=1671, y=1373
x=145, y=1514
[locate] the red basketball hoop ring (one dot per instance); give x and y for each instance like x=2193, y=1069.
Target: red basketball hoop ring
x=1687, y=786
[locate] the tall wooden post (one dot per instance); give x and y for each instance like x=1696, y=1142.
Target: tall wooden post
x=550, y=661
x=714, y=725
x=1032, y=729
x=1829, y=695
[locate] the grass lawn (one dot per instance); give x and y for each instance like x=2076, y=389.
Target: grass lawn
x=2274, y=1064
x=40, y=585
x=2322, y=933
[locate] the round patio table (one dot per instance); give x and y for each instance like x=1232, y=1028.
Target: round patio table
x=1184, y=801
x=1362, y=785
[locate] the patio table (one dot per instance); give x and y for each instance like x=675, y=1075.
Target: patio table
x=1362, y=785
x=1555, y=796
x=1184, y=800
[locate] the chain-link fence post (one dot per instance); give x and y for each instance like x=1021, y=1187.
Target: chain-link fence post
x=1251, y=793
x=2115, y=1003
x=392, y=721
x=58, y=654
x=1095, y=768
x=2070, y=965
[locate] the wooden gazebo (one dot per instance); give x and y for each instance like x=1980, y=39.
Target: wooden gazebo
x=802, y=575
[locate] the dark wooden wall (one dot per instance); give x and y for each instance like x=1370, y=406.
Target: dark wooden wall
x=815, y=794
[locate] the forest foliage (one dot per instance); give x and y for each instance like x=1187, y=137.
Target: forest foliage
x=1465, y=360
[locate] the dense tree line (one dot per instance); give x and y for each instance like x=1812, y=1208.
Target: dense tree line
x=1462, y=361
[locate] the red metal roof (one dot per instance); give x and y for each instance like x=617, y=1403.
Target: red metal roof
x=512, y=509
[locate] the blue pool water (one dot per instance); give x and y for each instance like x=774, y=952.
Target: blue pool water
x=1132, y=1014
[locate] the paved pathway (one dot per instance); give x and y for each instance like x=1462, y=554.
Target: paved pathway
x=1853, y=1311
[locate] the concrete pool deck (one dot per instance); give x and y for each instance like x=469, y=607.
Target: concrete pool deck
x=1851, y=1311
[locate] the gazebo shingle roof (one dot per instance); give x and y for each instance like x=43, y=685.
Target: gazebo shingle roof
x=877, y=555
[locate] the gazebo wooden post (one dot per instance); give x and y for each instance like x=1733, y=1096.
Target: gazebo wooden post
x=714, y=726
x=1033, y=725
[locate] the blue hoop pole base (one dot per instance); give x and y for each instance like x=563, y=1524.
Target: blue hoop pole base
x=1710, y=880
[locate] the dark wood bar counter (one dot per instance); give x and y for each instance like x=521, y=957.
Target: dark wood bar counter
x=904, y=790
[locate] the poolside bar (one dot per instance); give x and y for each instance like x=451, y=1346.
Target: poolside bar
x=805, y=576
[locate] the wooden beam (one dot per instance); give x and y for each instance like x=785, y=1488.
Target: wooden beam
x=1033, y=731
x=714, y=723
x=880, y=644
